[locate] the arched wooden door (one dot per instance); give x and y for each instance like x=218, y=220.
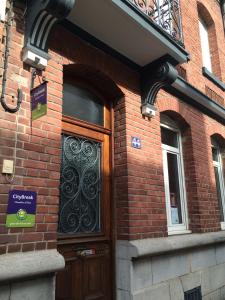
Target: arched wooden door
x=85, y=238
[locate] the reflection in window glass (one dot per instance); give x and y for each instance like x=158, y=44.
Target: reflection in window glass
x=219, y=192
x=169, y=137
x=215, y=155
x=81, y=104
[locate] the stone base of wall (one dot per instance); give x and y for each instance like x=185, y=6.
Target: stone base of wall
x=29, y=275
x=168, y=275
x=33, y=289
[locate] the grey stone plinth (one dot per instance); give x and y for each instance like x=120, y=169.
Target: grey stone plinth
x=157, y=292
x=156, y=246
x=39, y=289
x=176, y=289
x=191, y=281
x=213, y=296
x=166, y=267
x=4, y=292
x=213, y=279
x=203, y=258
x=142, y=274
x=29, y=264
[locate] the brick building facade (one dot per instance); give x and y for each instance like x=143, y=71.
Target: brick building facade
x=153, y=155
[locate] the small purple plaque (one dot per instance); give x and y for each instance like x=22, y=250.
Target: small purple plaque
x=39, y=101
x=21, y=209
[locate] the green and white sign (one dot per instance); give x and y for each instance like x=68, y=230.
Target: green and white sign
x=39, y=101
x=21, y=209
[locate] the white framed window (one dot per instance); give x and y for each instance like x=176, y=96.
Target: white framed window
x=173, y=171
x=2, y=9
x=218, y=170
x=205, y=49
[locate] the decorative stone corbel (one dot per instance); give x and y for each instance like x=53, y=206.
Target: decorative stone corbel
x=153, y=79
x=41, y=17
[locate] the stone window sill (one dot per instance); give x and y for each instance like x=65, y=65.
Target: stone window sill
x=213, y=78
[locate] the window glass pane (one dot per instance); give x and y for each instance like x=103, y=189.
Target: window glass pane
x=215, y=154
x=81, y=104
x=174, y=189
x=80, y=186
x=204, y=38
x=219, y=194
x=169, y=137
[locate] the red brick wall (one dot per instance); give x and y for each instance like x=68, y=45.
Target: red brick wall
x=138, y=174
x=38, y=151
x=211, y=13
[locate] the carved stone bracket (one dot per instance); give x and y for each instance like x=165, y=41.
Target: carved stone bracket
x=40, y=19
x=153, y=79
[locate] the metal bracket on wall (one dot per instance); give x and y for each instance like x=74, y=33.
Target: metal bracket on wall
x=33, y=76
x=153, y=78
x=40, y=18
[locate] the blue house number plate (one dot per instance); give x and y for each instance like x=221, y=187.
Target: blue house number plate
x=136, y=142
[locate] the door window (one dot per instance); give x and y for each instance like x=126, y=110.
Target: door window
x=82, y=104
x=80, y=185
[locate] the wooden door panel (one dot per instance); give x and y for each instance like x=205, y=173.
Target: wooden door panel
x=68, y=281
x=62, y=282
x=97, y=274
x=87, y=275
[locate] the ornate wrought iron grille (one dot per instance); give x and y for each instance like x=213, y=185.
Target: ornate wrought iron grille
x=166, y=13
x=80, y=186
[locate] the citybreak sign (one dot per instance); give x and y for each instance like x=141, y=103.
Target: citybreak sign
x=39, y=101
x=21, y=209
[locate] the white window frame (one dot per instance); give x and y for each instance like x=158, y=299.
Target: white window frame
x=205, y=49
x=183, y=227
x=2, y=10
x=218, y=164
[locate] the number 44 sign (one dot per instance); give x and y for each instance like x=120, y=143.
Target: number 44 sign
x=21, y=209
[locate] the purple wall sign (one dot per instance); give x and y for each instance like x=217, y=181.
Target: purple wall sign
x=39, y=101
x=21, y=209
